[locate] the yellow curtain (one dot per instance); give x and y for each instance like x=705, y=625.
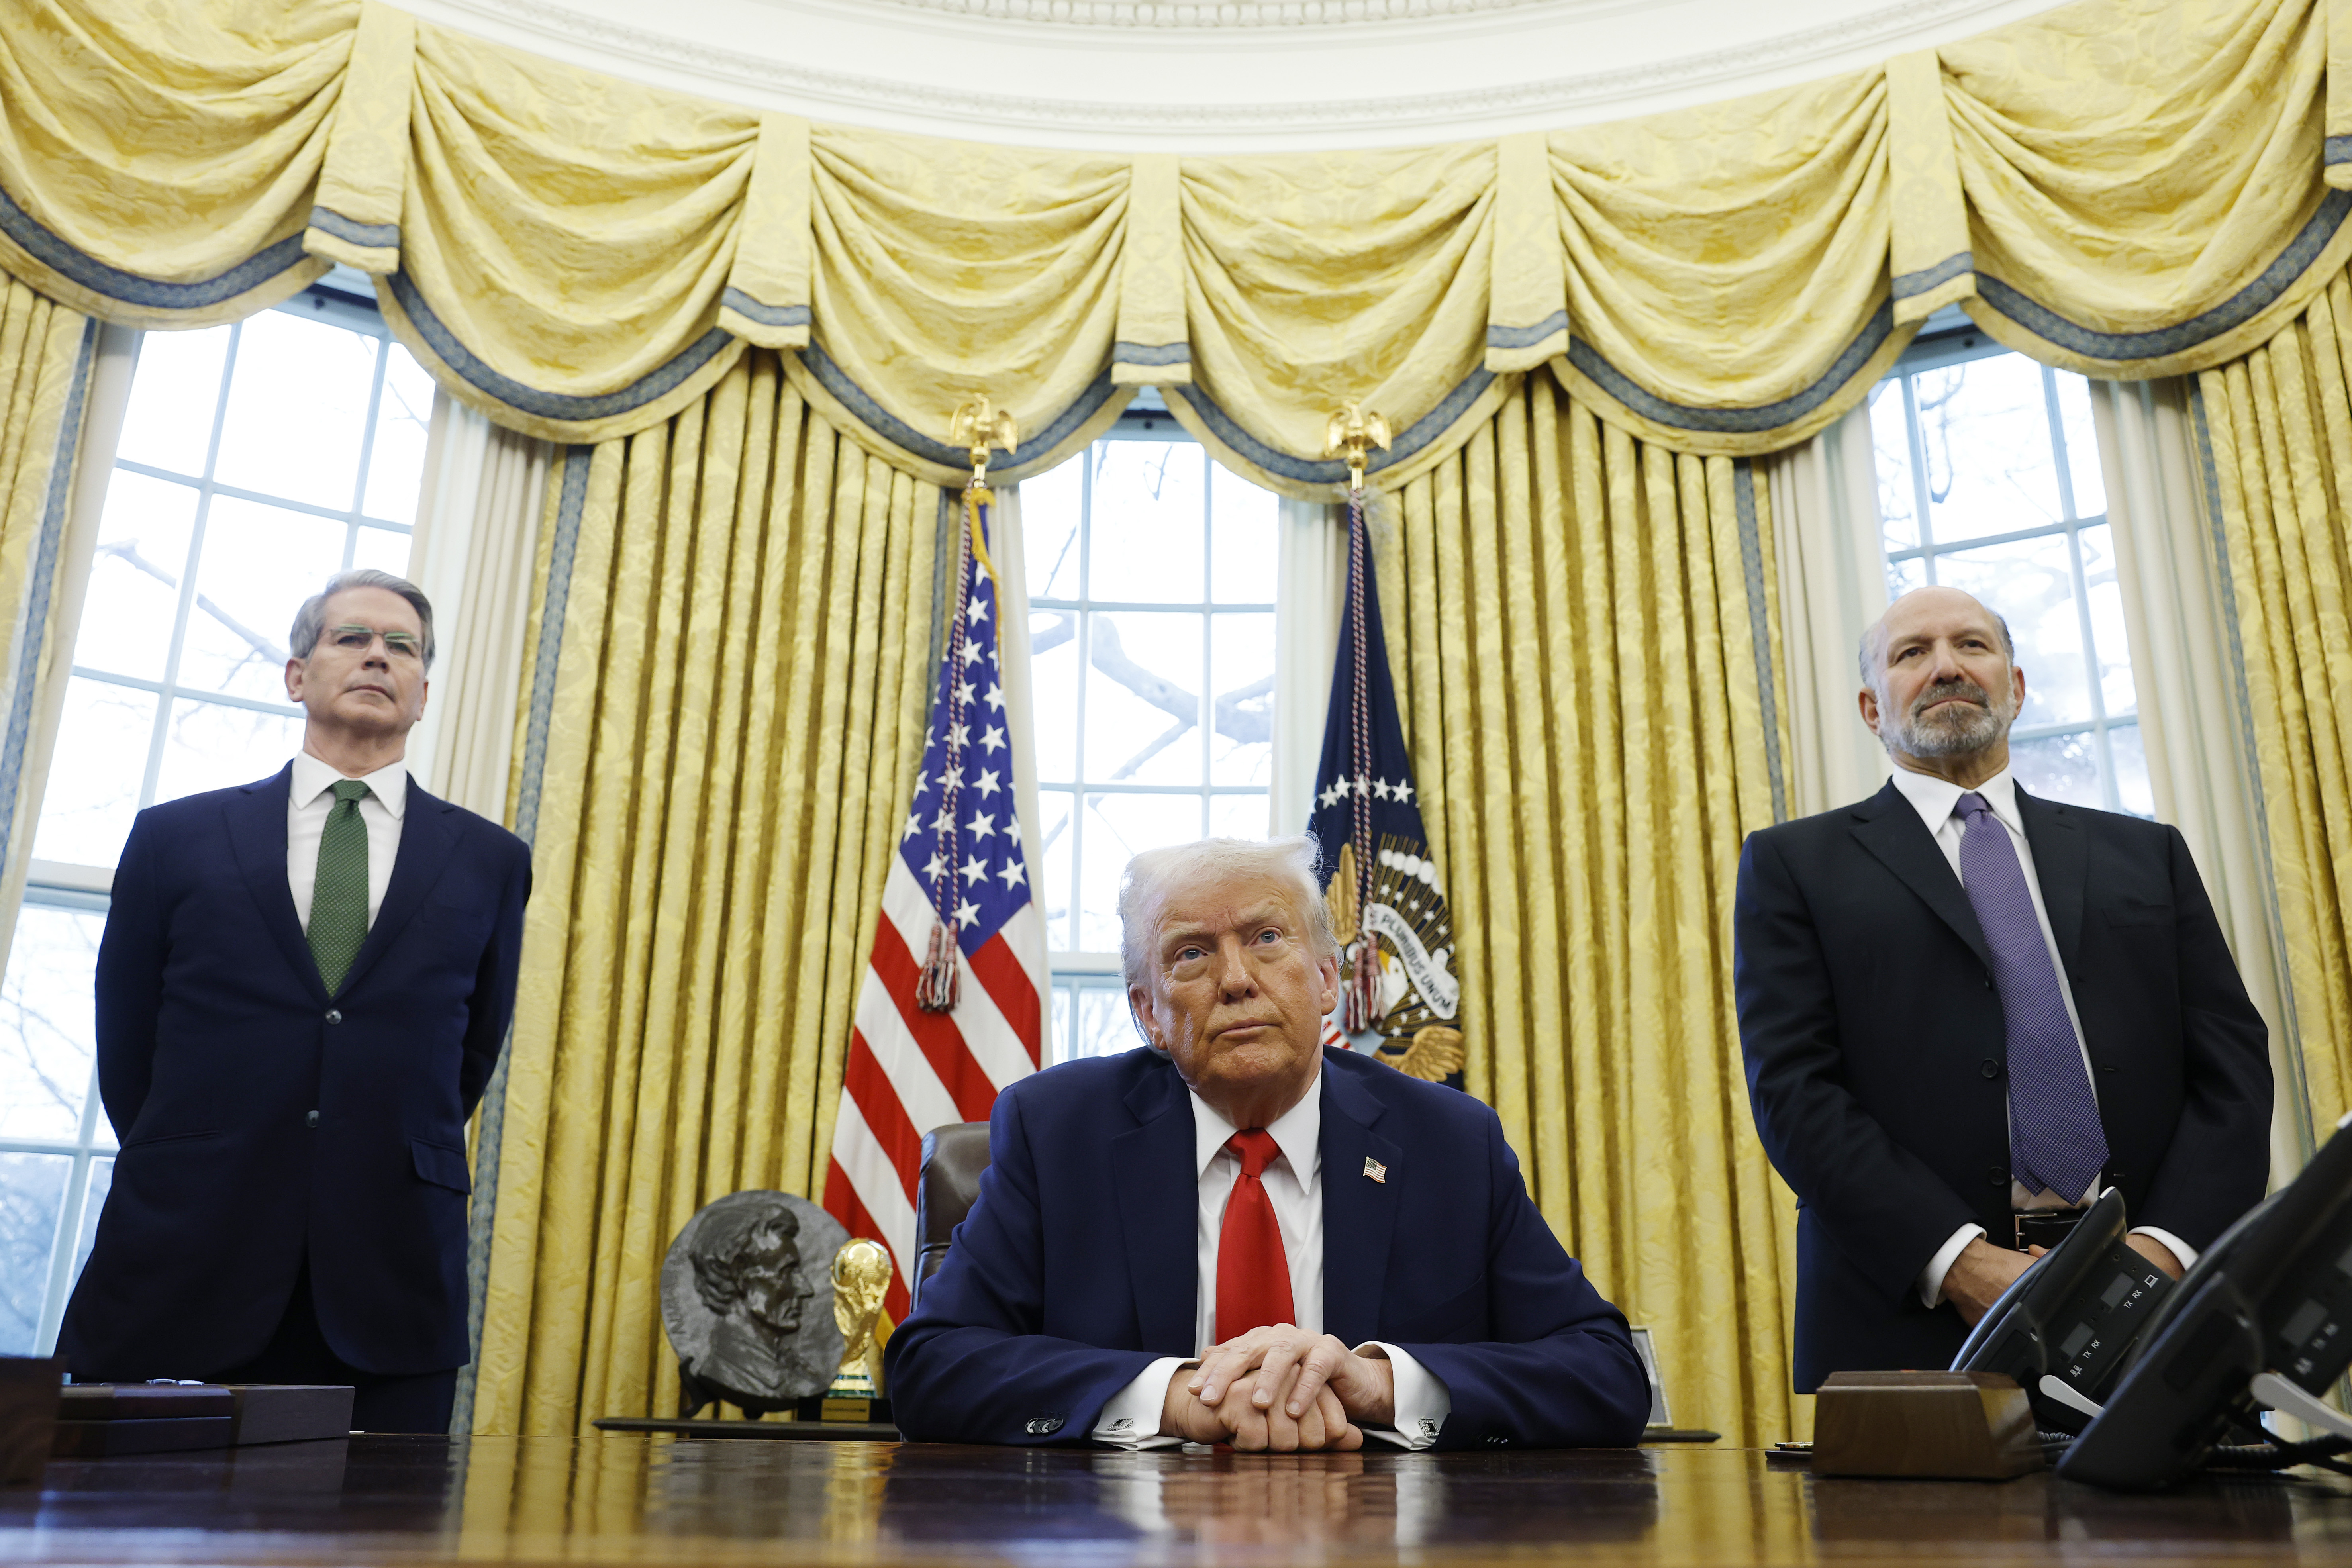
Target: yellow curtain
x=723, y=717
x=2276, y=432
x=1583, y=631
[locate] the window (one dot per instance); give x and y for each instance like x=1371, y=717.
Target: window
x=1151, y=584
x=1988, y=481
x=256, y=462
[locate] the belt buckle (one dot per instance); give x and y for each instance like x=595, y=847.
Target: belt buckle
x=2044, y=1227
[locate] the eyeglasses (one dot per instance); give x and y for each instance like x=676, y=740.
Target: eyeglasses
x=359, y=640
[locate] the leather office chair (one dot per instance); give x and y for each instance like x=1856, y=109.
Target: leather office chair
x=954, y=1158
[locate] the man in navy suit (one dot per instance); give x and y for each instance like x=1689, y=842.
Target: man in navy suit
x=302, y=988
x=1966, y=1011
x=1233, y=1236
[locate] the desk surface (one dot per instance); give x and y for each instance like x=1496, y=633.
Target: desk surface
x=627, y=1497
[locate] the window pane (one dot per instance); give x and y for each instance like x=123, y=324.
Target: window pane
x=2109, y=638
x=1243, y=554
x=1902, y=576
x=2031, y=582
x=1241, y=664
x=384, y=549
x=1890, y=441
x=1143, y=699
x=96, y=774
x=1147, y=522
x=1105, y=1027
x=1117, y=827
x=298, y=409
x=47, y=1037
x=403, y=418
x=173, y=392
x=134, y=580
x=32, y=1192
x=2060, y=767
x=1057, y=1025
x=1054, y=890
x=260, y=563
x=2081, y=444
x=1984, y=426
x=1049, y=530
x=210, y=745
x=2128, y=750
x=1239, y=816
x=1053, y=691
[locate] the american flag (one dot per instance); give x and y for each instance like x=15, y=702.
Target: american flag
x=961, y=863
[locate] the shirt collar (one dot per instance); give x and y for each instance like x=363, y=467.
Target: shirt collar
x=1934, y=798
x=388, y=783
x=1297, y=1132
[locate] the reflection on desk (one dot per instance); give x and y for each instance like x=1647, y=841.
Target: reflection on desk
x=627, y=1498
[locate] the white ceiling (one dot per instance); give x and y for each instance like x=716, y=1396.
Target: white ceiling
x=1205, y=76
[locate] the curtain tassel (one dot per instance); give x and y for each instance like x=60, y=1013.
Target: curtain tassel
x=935, y=991
x=1359, y=989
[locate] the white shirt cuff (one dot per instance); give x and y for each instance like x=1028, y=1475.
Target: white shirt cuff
x=1931, y=1278
x=1131, y=1419
x=2172, y=1244
x=1423, y=1400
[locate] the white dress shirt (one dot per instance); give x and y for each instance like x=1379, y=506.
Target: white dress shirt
x=307, y=805
x=1294, y=1183
x=1936, y=800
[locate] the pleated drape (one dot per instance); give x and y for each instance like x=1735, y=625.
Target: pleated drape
x=725, y=713
x=1586, y=660
x=2275, y=428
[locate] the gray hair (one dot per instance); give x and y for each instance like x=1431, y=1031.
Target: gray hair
x=1288, y=863
x=1872, y=658
x=310, y=620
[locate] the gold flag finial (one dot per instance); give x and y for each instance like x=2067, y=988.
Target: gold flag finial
x=978, y=426
x=1352, y=434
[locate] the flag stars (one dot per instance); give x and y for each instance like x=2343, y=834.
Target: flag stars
x=914, y=825
x=1015, y=874
x=1362, y=787
x=967, y=913
x=992, y=738
x=981, y=825
x=957, y=735
x=986, y=784
x=974, y=870
x=971, y=653
x=963, y=693
x=995, y=697
x=1380, y=789
x=1404, y=790
x=977, y=611
x=934, y=866
x=945, y=820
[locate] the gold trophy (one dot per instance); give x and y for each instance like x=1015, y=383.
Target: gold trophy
x=861, y=1274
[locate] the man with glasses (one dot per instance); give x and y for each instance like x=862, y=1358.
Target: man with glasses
x=303, y=986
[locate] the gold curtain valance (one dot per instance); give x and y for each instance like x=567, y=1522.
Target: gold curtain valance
x=2125, y=187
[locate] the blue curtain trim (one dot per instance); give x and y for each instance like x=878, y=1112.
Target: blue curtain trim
x=751, y=310
x=2337, y=150
x=1151, y=353
x=1739, y=421
x=906, y=437
x=2236, y=310
x=1759, y=626
x=377, y=236
x=550, y=404
x=1526, y=337
x=54, y=514
x=1934, y=276
x=1430, y=428
x=129, y=288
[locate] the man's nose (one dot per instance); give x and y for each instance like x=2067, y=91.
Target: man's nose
x=1233, y=974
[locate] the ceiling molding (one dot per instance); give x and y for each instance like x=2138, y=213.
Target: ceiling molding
x=1203, y=86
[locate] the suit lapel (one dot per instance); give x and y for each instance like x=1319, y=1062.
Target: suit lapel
x=427, y=833
x=1158, y=1208
x=1359, y=1212
x=1892, y=831
x=2061, y=864
x=256, y=817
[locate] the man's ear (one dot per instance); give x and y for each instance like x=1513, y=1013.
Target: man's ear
x=1138, y=1007
x=294, y=669
x=1868, y=700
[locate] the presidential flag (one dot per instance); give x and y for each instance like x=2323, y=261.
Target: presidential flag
x=1398, y=1000
x=952, y=1003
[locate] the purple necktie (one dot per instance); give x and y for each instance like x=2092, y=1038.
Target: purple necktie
x=2056, y=1142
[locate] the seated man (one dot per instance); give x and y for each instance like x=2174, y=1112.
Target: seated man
x=1232, y=1192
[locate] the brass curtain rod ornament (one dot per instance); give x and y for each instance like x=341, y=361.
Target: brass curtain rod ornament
x=1352, y=433
x=978, y=426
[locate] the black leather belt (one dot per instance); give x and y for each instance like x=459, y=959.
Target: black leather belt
x=2045, y=1227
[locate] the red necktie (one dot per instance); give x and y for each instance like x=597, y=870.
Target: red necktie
x=1253, y=1273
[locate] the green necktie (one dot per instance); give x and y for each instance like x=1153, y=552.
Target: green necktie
x=338, y=898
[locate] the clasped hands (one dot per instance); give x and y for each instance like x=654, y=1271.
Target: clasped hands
x=1280, y=1390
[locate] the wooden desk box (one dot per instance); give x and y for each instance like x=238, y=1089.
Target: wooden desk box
x=1950, y=1425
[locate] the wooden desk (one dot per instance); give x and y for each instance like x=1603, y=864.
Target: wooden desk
x=628, y=1499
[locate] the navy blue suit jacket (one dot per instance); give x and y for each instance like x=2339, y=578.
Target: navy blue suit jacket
x=1877, y=1056
x=218, y=1042
x=1077, y=1266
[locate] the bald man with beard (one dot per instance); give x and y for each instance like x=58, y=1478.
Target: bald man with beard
x=1967, y=1011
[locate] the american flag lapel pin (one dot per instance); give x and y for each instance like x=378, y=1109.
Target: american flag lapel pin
x=1375, y=1169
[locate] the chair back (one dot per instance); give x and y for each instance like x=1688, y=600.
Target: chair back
x=954, y=1158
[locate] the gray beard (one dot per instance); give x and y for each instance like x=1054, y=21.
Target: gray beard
x=1952, y=733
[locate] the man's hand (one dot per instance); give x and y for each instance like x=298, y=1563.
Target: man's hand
x=1240, y=1418
x=1298, y=1367
x=2156, y=1252
x=1981, y=1273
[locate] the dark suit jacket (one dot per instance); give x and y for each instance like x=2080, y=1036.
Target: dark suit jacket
x=1877, y=1060
x=218, y=1041
x=1077, y=1266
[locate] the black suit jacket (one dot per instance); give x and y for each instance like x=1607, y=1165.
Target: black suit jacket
x=1078, y=1265
x=1877, y=1062
x=218, y=1042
